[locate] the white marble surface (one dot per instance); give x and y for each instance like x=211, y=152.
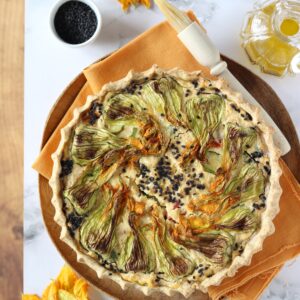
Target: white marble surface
x=49, y=66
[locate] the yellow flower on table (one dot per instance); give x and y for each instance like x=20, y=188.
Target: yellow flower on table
x=67, y=286
x=127, y=3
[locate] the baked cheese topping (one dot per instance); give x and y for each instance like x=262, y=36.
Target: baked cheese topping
x=164, y=182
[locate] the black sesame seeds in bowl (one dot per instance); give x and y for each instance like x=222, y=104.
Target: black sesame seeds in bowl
x=75, y=22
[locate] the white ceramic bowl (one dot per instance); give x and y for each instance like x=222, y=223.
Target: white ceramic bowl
x=96, y=10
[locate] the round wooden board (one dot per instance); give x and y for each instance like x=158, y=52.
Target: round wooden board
x=256, y=86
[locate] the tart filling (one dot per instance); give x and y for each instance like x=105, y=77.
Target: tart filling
x=164, y=179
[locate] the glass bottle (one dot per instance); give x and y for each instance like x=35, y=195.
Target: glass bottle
x=271, y=36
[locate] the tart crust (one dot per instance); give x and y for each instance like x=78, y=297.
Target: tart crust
x=254, y=245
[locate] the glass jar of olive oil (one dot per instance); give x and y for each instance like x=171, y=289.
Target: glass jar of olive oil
x=271, y=36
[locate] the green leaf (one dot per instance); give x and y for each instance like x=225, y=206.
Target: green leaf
x=247, y=183
x=239, y=218
x=131, y=114
x=204, y=115
x=173, y=258
x=215, y=245
x=212, y=161
x=97, y=231
x=85, y=192
x=155, y=101
x=125, y=252
x=172, y=93
x=142, y=256
x=123, y=106
x=90, y=143
x=236, y=140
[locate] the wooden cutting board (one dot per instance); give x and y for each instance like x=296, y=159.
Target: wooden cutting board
x=11, y=158
x=256, y=86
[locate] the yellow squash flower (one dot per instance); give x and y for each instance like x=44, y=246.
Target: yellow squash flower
x=127, y=3
x=67, y=286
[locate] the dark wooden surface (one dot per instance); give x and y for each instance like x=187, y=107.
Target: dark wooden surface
x=256, y=86
x=11, y=158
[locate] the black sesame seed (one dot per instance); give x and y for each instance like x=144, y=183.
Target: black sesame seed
x=195, y=83
x=268, y=170
x=75, y=22
x=235, y=107
x=262, y=197
x=95, y=112
x=74, y=221
x=200, y=186
x=187, y=191
x=248, y=117
x=176, y=187
x=255, y=206
x=66, y=167
x=257, y=154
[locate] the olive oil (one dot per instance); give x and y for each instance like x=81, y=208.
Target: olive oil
x=271, y=37
x=289, y=27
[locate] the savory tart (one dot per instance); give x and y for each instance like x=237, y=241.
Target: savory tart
x=166, y=180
